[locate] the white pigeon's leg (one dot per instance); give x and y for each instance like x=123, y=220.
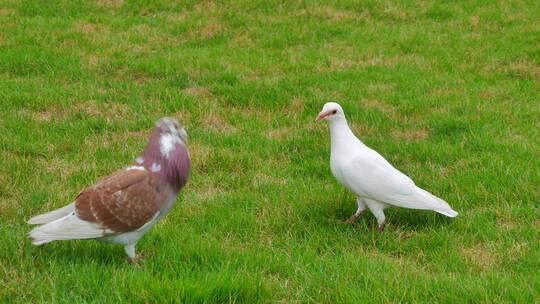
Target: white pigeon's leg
x=361, y=208
x=377, y=208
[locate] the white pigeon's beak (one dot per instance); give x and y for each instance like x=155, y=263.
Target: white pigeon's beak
x=322, y=116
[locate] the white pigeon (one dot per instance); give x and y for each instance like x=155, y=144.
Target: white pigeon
x=375, y=182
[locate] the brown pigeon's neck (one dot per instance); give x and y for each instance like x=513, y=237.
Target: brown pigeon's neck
x=170, y=167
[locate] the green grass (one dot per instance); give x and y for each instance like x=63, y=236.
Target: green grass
x=447, y=91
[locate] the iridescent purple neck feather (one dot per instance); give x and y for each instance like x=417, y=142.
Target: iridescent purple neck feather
x=166, y=153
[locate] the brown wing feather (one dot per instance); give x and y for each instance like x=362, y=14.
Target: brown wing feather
x=121, y=202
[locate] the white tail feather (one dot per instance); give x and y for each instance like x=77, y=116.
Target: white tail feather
x=441, y=206
x=449, y=213
x=52, y=216
x=69, y=227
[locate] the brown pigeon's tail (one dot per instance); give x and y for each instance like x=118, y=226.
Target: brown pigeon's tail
x=69, y=227
x=52, y=216
x=37, y=241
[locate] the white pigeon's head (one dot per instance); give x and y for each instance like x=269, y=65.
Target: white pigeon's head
x=331, y=111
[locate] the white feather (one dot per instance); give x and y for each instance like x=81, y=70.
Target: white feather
x=139, y=168
x=69, y=227
x=369, y=175
x=51, y=216
x=155, y=167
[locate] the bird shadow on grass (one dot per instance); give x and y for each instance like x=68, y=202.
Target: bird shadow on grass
x=417, y=220
x=396, y=219
x=81, y=253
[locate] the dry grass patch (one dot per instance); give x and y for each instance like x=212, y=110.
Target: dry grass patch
x=329, y=13
x=94, y=33
x=520, y=68
x=7, y=12
x=241, y=39
x=109, y=111
x=199, y=153
x=351, y=61
x=410, y=134
x=93, y=142
x=214, y=121
x=278, y=133
x=43, y=116
x=118, y=138
x=481, y=255
x=50, y=115
x=210, y=30
x=109, y=3
x=199, y=92
x=56, y=165
x=393, y=11
x=265, y=116
x=379, y=105
x=363, y=130
x=296, y=107
x=443, y=92
x=212, y=27
x=524, y=68
x=507, y=224
x=341, y=63
x=84, y=27
x=379, y=87
x=475, y=21
x=207, y=192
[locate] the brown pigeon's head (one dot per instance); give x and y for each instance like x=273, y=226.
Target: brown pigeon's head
x=169, y=125
x=166, y=153
x=331, y=111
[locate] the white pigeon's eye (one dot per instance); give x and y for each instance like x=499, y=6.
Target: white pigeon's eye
x=334, y=112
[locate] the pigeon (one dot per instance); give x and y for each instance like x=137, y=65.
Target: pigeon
x=376, y=184
x=123, y=206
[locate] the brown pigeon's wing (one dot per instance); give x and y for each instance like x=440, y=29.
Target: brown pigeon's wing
x=121, y=202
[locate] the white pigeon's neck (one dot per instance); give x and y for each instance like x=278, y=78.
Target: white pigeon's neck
x=340, y=134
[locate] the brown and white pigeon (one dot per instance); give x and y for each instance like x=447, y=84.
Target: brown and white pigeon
x=123, y=206
x=376, y=184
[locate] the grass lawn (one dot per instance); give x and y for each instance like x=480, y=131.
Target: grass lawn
x=448, y=91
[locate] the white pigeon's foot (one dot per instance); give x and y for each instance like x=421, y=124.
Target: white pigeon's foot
x=381, y=227
x=354, y=217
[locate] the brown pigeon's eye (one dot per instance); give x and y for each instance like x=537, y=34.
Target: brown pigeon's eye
x=334, y=112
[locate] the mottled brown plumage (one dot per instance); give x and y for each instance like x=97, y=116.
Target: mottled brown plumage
x=121, y=207
x=123, y=201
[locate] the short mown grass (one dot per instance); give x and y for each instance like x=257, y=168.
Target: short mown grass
x=449, y=92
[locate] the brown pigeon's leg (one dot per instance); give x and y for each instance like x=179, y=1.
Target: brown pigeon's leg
x=381, y=226
x=132, y=257
x=135, y=261
x=354, y=217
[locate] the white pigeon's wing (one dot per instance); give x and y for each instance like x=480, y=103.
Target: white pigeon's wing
x=369, y=176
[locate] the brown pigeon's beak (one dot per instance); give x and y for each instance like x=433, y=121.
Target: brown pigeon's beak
x=322, y=115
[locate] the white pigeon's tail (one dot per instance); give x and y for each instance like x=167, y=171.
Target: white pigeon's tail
x=69, y=227
x=449, y=213
x=438, y=205
x=421, y=199
x=52, y=216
